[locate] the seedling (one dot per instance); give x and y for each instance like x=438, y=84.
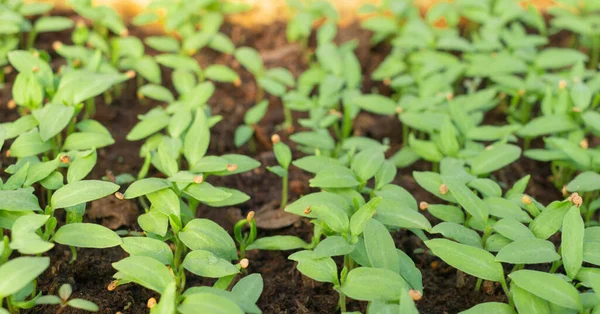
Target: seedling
x=283, y=154
x=63, y=300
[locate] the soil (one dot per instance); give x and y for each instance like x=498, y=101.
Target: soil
x=285, y=289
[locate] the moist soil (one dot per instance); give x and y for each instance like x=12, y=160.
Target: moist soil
x=285, y=289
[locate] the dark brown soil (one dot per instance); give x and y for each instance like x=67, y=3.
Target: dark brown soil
x=285, y=290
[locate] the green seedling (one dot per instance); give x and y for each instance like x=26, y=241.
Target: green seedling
x=283, y=154
x=245, y=240
x=64, y=300
x=305, y=14
x=275, y=81
x=245, y=132
x=200, y=246
x=581, y=20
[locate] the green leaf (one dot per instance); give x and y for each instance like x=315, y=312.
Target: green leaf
x=513, y=229
x=333, y=246
x=448, y=142
x=250, y=59
x=432, y=181
x=249, y=288
x=556, y=58
x=572, y=241
x=206, y=235
x=376, y=104
x=83, y=305
x=146, y=186
x=366, y=163
x=24, y=236
x=550, y=219
x=319, y=269
x=52, y=24
x=528, y=251
x=487, y=187
x=148, y=126
x=370, y=284
x=447, y=213
x=54, y=119
x=585, y=182
x=495, y=158
x=19, y=200
x=283, y=154
x=82, y=192
x=337, y=220
x=490, y=308
x=547, y=125
x=256, y=113
x=206, y=264
x=39, y=171
x=467, y=199
x=142, y=246
x=548, y=287
x=29, y=144
x=163, y=43
x=81, y=166
x=334, y=177
x=19, y=272
x=221, y=73
x=458, y=232
x=197, y=139
x=278, y=243
x=206, y=193
x=208, y=303
x=503, y=208
x=167, y=202
x=154, y=222
x=145, y=271
x=157, y=92
x=526, y=302
x=392, y=213
x=87, y=140
x=471, y=260
x=426, y=149
x=315, y=164
x=237, y=197
x=362, y=215
x=380, y=246
x=86, y=235
x=314, y=140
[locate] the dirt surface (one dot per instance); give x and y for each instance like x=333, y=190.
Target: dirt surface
x=285, y=289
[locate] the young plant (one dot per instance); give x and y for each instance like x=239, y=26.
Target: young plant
x=63, y=300
x=245, y=132
x=357, y=230
x=200, y=246
x=513, y=226
x=275, y=81
x=283, y=154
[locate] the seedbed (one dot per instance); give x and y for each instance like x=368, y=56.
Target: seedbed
x=447, y=282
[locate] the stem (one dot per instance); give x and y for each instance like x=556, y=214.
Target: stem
x=506, y=291
x=405, y=131
x=284, y=192
x=31, y=38
x=342, y=302
x=287, y=113
x=555, y=266
x=260, y=93
x=478, y=284
x=73, y=254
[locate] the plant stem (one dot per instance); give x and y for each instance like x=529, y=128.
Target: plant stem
x=555, y=266
x=73, y=254
x=284, y=192
x=31, y=39
x=478, y=284
x=405, y=131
